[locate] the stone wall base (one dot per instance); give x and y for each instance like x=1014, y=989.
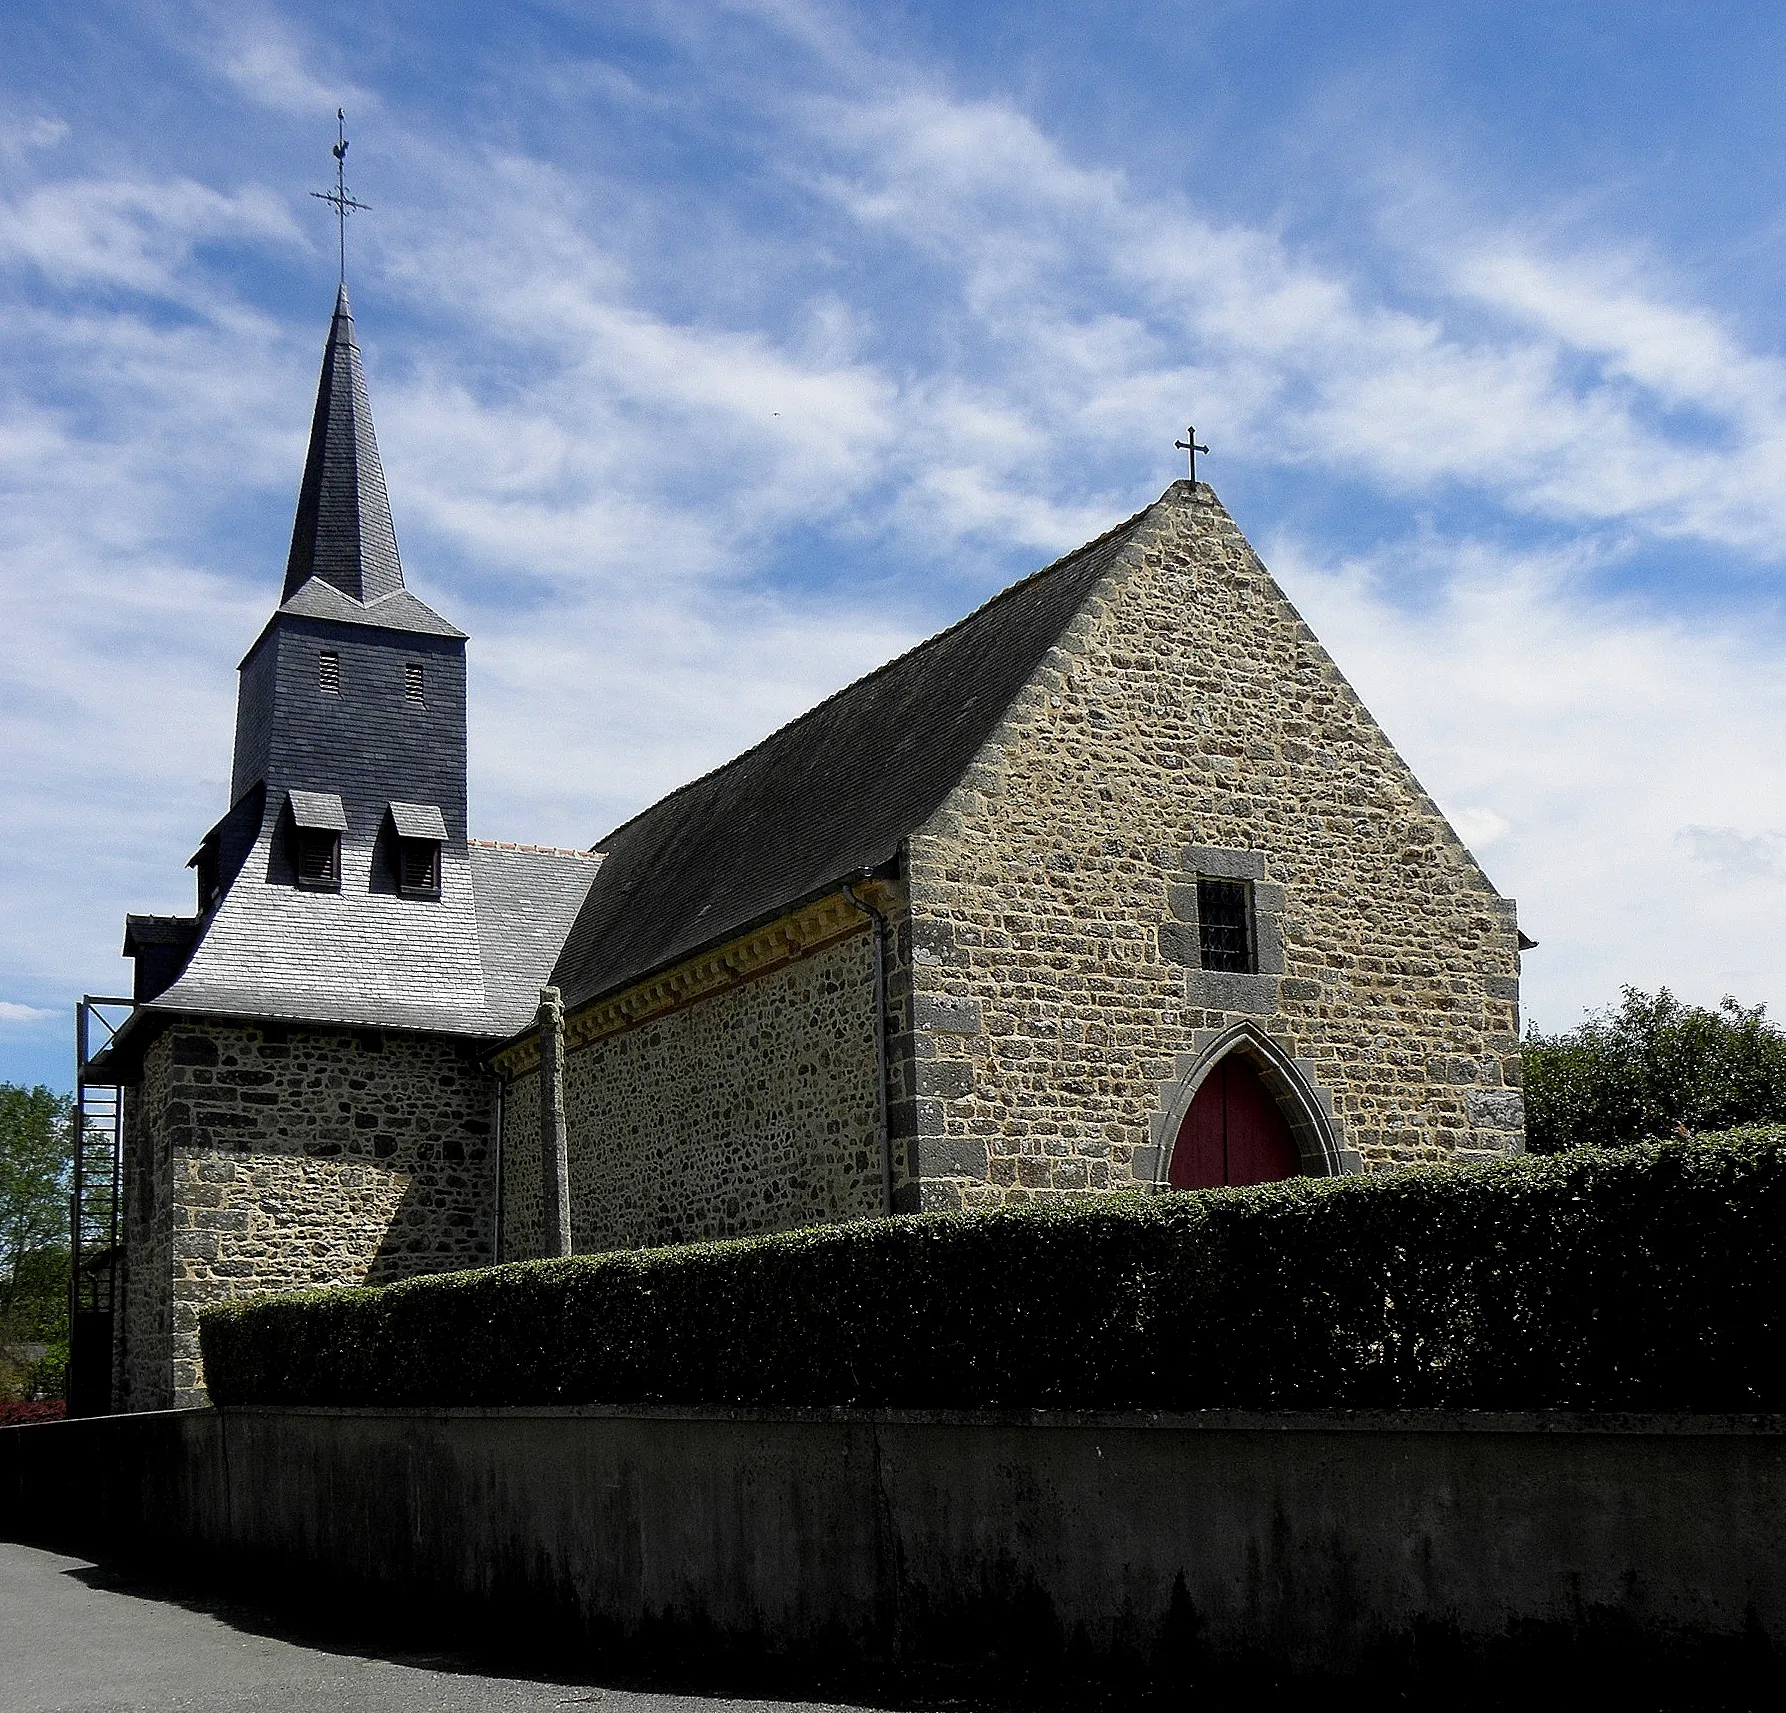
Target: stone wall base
x=1038, y=1549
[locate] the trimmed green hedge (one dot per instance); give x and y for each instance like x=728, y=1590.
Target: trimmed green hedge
x=1651, y=1277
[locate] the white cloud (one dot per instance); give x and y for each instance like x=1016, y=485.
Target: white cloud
x=13, y=1015
x=271, y=63
x=1734, y=854
x=134, y=233
x=1591, y=731
x=593, y=460
x=1094, y=292
x=24, y=134
x=1478, y=826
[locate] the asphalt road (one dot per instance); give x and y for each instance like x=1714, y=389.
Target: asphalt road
x=74, y=1641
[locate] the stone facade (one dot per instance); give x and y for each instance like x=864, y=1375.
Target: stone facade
x=263, y=1158
x=1046, y=1019
x=753, y=1109
x=1189, y=723
x=142, y=1334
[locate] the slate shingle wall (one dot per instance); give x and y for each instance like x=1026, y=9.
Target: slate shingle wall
x=257, y=684
x=1189, y=706
x=750, y=1111
x=294, y=1157
x=367, y=743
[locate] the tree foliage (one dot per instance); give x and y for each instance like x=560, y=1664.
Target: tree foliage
x=1653, y=1067
x=36, y=1156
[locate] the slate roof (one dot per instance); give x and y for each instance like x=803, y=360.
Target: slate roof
x=343, y=532
x=399, y=610
x=471, y=964
x=419, y=821
x=527, y=899
x=320, y=810
x=141, y=932
x=826, y=797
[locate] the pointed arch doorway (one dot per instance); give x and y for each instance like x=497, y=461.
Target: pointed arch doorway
x=1234, y=1133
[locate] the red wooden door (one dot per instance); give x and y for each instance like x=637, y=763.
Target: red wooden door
x=1233, y=1134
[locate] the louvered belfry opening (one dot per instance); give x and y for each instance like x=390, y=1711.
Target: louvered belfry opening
x=420, y=831
x=318, y=820
x=418, y=867
x=319, y=859
x=1225, y=924
x=328, y=672
x=415, y=687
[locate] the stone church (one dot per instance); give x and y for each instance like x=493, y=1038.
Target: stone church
x=1114, y=885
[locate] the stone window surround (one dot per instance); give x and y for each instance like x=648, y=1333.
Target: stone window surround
x=1180, y=939
x=1315, y=1127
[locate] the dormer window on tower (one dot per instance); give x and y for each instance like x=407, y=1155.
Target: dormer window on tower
x=318, y=821
x=207, y=861
x=421, y=831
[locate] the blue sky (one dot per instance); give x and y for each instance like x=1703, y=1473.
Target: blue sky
x=720, y=351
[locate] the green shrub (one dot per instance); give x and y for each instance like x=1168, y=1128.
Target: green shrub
x=1651, y=1277
x=1651, y=1068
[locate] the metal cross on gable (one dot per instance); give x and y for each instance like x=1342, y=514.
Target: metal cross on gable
x=1189, y=446
x=338, y=198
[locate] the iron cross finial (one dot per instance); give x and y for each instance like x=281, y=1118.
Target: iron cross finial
x=338, y=198
x=1189, y=446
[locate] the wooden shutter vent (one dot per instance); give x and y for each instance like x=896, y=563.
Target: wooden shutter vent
x=319, y=857
x=418, y=863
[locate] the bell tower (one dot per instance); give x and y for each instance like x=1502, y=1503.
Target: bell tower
x=350, y=712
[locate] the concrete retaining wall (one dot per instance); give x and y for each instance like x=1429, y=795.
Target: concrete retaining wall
x=1157, y=1546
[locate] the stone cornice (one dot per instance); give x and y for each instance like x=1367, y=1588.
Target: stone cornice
x=788, y=938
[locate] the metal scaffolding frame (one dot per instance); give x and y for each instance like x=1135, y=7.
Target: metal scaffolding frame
x=94, y=1208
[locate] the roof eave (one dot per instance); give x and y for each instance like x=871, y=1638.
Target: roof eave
x=886, y=869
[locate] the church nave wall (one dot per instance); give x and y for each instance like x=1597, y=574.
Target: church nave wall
x=752, y=1110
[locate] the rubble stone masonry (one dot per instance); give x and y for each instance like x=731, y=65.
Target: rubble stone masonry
x=750, y=1110
x=264, y=1158
x=1188, y=723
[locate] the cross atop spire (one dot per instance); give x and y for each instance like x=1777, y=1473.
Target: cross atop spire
x=1189, y=446
x=343, y=532
x=338, y=198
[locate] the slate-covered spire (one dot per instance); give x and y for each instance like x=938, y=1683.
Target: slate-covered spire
x=343, y=532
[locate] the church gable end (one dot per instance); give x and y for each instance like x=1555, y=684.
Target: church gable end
x=1122, y=821
x=1189, y=729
